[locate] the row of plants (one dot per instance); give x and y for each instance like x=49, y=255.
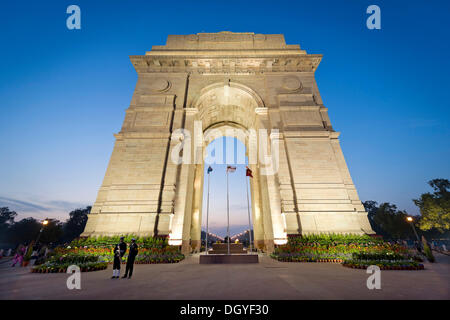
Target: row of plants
x=83, y=250
x=105, y=241
x=384, y=260
x=49, y=267
x=390, y=256
x=164, y=258
x=355, y=251
x=60, y=261
x=168, y=254
x=333, y=250
x=384, y=265
x=333, y=239
x=72, y=258
x=286, y=257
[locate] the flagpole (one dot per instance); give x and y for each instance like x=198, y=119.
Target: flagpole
x=207, y=217
x=228, y=216
x=249, y=221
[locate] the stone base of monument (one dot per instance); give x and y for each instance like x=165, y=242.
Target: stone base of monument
x=228, y=258
x=219, y=255
x=222, y=248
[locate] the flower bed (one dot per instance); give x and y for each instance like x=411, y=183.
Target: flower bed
x=92, y=254
x=332, y=248
x=391, y=256
x=109, y=242
x=72, y=258
x=302, y=258
x=54, y=267
x=351, y=250
x=151, y=250
x=384, y=260
x=384, y=265
x=164, y=258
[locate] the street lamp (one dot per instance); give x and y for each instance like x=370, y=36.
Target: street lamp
x=411, y=220
x=44, y=223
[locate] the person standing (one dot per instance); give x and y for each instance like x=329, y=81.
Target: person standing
x=132, y=253
x=119, y=251
x=18, y=258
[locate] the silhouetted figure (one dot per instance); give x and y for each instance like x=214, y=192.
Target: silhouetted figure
x=119, y=251
x=132, y=253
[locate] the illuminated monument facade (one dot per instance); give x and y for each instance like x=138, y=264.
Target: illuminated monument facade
x=226, y=80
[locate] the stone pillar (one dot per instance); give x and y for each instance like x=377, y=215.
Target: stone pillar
x=278, y=221
x=257, y=212
x=196, y=224
x=181, y=222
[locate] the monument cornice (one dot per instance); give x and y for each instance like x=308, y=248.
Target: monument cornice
x=311, y=134
x=123, y=135
x=223, y=63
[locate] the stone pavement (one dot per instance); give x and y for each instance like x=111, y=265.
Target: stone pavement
x=269, y=279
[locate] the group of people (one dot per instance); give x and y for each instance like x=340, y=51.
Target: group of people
x=119, y=251
x=38, y=254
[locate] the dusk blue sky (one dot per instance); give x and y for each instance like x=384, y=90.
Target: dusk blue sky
x=63, y=93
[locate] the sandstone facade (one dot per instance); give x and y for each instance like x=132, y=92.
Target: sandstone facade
x=226, y=80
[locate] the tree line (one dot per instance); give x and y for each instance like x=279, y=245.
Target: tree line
x=24, y=231
x=433, y=222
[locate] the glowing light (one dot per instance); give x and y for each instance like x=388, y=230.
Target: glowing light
x=410, y=219
x=45, y=222
x=280, y=241
x=175, y=242
x=226, y=91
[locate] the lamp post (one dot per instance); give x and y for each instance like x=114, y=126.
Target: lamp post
x=411, y=220
x=44, y=223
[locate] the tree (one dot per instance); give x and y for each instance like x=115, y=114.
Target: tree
x=387, y=220
x=372, y=208
x=6, y=220
x=74, y=226
x=435, y=207
x=6, y=216
x=52, y=232
x=28, y=229
x=23, y=231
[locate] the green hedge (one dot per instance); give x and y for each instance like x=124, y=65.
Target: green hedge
x=72, y=258
x=333, y=239
x=62, y=267
x=340, y=248
x=390, y=256
x=105, y=241
x=384, y=265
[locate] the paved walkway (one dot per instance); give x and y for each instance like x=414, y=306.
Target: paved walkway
x=269, y=279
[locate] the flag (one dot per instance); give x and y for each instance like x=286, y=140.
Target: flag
x=209, y=170
x=248, y=172
x=231, y=169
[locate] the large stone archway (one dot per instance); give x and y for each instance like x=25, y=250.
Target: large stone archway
x=231, y=109
x=226, y=80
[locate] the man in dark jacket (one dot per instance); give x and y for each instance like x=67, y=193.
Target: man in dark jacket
x=119, y=251
x=132, y=253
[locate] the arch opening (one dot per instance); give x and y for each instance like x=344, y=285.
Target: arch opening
x=228, y=112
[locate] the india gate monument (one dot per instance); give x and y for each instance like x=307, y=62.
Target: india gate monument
x=214, y=82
